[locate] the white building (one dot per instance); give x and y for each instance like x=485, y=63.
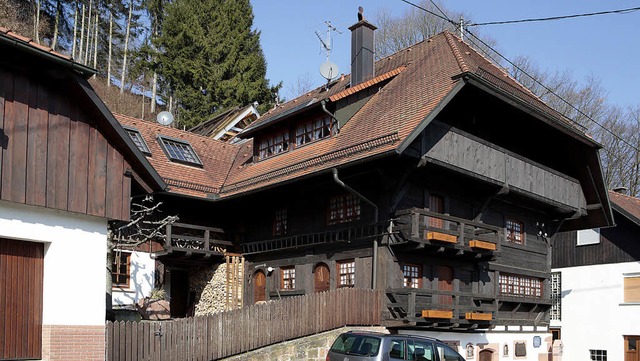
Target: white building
x=596, y=273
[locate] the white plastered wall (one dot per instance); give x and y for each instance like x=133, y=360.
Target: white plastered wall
x=142, y=280
x=495, y=340
x=593, y=314
x=74, y=285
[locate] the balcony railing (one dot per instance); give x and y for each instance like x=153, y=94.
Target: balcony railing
x=436, y=229
x=446, y=308
x=311, y=239
x=191, y=241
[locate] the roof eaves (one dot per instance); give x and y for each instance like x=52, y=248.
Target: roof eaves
x=117, y=127
x=13, y=39
x=541, y=111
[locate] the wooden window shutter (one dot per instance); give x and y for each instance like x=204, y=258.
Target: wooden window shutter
x=631, y=289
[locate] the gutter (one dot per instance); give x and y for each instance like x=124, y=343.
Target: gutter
x=323, y=102
x=82, y=69
x=374, y=265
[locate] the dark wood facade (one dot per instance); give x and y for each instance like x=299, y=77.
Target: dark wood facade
x=54, y=154
x=617, y=244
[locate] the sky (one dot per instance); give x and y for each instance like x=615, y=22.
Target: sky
x=603, y=46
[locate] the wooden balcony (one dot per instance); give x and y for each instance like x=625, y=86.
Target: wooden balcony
x=191, y=243
x=353, y=233
x=450, y=235
x=441, y=309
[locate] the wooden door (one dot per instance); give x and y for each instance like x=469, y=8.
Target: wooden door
x=485, y=355
x=179, y=293
x=445, y=283
x=436, y=204
x=21, y=289
x=259, y=287
x=321, y=278
x=631, y=344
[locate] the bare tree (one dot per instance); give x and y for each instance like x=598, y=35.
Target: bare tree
x=302, y=85
x=145, y=225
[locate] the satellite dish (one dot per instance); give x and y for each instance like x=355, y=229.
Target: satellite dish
x=164, y=118
x=329, y=70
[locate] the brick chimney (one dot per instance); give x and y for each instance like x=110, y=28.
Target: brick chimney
x=362, y=50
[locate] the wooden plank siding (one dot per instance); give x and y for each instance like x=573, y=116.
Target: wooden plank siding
x=21, y=277
x=53, y=153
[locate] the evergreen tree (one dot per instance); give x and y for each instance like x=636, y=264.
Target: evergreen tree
x=211, y=58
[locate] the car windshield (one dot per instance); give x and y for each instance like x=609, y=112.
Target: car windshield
x=353, y=344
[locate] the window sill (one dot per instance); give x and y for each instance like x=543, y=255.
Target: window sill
x=125, y=290
x=286, y=293
x=630, y=304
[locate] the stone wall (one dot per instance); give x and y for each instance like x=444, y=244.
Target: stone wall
x=209, y=284
x=310, y=348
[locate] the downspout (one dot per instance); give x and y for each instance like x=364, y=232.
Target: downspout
x=323, y=102
x=374, y=263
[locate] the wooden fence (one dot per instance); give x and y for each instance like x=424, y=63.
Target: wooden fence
x=229, y=333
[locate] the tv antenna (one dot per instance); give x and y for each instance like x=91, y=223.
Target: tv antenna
x=328, y=69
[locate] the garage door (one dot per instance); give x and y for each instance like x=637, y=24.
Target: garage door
x=21, y=268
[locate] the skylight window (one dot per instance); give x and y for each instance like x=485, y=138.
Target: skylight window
x=135, y=135
x=179, y=151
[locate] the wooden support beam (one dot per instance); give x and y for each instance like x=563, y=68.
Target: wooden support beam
x=474, y=243
x=441, y=237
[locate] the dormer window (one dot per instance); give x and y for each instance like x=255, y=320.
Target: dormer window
x=179, y=150
x=135, y=135
x=310, y=131
x=273, y=144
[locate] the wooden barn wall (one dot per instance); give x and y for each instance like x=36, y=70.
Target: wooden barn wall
x=617, y=244
x=52, y=154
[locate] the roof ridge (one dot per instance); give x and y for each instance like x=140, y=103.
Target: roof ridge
x=451, y=40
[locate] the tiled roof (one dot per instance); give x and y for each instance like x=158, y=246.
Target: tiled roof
x=631, y=205
x=217, y=158
x=419, y=79
x=15, y=38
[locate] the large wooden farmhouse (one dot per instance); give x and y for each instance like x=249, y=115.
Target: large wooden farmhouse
x=429, y=174
x=67, y=167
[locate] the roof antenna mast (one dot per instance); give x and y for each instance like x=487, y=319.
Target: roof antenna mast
x=328, y=70
x=462, y=28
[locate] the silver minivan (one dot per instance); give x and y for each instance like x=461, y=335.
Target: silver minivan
x=375, y=346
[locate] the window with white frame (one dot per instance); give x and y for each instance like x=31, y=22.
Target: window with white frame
x=520, y=286
x=588, y=236
x=556, y=296
x=346, y=273
x=343, y=208
x=288, y=278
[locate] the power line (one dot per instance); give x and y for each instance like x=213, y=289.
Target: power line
x=620, y=11
x=554, y=93
x=530, y=76
x=430, y=12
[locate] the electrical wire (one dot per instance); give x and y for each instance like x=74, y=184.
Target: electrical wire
x=620, y=11
x=445, y=18
x=554, y=93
